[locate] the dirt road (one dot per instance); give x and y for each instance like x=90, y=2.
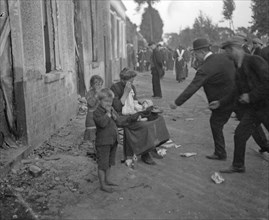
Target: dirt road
x=175, y=188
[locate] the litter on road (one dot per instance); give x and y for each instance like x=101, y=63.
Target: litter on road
x=162, y=151
x=189, y=119
x=217, y=178
x=188, y=154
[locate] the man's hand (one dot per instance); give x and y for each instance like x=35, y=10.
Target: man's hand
x=173, y=106
x=244, y=98
x=214, y=105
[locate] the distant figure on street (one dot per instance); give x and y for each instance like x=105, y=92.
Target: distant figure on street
x=157, y=69
x=141, y=59
x=216, y=74
x=180, y=63
x=148, y=53
x=131, y=57
x=252, y=90
x=170, y=62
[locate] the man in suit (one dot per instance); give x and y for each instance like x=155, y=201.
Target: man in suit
x=252, y=90
x=156, y=70
x=216, y=74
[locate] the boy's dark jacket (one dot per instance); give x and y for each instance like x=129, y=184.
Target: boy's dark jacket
x=106, y=127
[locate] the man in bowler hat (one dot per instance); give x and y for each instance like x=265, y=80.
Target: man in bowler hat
x=216, y=75
x=156, y=70
x=252, y=90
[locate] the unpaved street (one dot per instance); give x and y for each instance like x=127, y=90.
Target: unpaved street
x=175, y=188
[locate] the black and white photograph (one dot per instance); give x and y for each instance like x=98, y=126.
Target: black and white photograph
x=134, y=109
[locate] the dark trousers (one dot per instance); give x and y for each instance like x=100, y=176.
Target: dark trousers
x=249, y=122
x=127, y=150
x=156, y=84
x=258, y=133
x=217, y=121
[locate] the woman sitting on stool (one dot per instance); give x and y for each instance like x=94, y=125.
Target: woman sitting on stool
x=140, y=137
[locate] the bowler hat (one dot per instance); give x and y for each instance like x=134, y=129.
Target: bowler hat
x=200, y=43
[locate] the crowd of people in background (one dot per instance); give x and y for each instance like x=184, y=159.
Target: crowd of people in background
x=140, y=61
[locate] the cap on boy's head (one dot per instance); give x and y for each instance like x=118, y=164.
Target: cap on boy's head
x=200, y=43
x=234, y=41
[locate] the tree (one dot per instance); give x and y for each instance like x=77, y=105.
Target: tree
x=186, y=37
x=260, y=22
x=172, y=40
x=228, y=9
x=152, y=24
x=225, y=33
x=203, y=27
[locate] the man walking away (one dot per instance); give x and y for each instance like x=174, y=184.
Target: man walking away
x=252, y=89
x=156, y=70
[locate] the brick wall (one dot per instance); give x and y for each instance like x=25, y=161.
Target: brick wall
x=50, y=104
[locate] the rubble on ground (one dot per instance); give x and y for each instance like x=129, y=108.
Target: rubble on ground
x=55, y=174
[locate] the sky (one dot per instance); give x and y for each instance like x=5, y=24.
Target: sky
x=179, y=14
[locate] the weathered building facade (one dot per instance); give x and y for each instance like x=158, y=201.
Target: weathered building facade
x=51, y=49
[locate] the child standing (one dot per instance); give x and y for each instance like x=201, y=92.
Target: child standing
x=107, y=137
x=96, y=83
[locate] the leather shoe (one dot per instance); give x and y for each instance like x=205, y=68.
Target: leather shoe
x=215, y=157
x=233, y=169
x=264, y=149
x=155, y=154
x=146, y=158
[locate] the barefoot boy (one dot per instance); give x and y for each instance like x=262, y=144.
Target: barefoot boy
x=106, y=120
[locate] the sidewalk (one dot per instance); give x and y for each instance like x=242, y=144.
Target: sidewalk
x=176, y=188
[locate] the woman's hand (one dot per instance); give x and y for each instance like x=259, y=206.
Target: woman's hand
x=127, y=89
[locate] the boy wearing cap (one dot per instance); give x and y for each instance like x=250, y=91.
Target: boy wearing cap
x=252, y=90
x=216, y=75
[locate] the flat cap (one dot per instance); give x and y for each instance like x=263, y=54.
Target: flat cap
x=234, y=41
x=257, y=41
